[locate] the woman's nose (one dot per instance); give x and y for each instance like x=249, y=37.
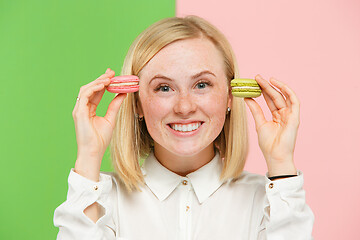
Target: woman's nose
x=185, y=104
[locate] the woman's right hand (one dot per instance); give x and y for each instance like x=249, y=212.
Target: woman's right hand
x=93, y=133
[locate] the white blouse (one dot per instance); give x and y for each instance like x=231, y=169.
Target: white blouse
x=198, y=206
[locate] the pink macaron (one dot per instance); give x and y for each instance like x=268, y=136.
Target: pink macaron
x=124, y=84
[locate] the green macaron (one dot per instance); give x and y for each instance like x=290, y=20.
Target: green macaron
x=245, y=88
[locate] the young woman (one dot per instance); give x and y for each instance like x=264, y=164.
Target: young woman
x=192, y=136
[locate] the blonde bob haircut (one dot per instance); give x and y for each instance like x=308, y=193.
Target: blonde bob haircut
x=131, y=141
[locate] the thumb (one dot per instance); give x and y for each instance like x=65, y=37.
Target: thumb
x=114, y=107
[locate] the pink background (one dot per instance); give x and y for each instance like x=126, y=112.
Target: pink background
x=314, y=47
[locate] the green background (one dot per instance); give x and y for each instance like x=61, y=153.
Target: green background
x=48, y=50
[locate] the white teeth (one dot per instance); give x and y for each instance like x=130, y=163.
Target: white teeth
x=186, y=127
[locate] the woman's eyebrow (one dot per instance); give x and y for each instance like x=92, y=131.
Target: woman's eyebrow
x=193, y=77
x=160, y=76
x=203, y=72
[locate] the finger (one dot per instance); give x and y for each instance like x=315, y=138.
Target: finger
x=104, y=77
x=280, y=86
x=287, y=99
x=275, y=96
x=269, y=102
x=108, y=74
x=84, y=88
x=76, y=106
x=91, y=84
x=292, y=99
x=114, y=107
x=256, y=111
x=95, y=99
x=83, y=108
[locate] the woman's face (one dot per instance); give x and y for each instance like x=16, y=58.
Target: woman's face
x=184, y=96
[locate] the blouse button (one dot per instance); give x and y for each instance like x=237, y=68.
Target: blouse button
x=184, y=182
x=271, y=185
x=96, y=187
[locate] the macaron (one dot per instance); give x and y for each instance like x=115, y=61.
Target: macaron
x=123, y=84
x=245, y=88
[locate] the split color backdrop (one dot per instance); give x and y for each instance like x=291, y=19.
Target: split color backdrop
x=314, y=47
x=49, y=49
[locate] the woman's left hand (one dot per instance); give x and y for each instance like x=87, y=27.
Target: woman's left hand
x=277, y=137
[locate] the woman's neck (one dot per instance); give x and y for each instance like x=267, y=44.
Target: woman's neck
x=183, y=165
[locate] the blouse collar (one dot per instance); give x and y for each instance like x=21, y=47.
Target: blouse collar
x=162, y=182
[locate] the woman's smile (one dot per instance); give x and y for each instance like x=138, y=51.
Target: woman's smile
x=185, y=130
x=185, y=127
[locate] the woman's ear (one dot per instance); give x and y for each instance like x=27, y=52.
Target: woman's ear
x=229, y=98
x=139, y=110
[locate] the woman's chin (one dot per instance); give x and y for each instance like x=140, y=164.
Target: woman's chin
x=187, y=153
x=185, y=150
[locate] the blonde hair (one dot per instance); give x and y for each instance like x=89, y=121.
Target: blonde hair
x=131, y=140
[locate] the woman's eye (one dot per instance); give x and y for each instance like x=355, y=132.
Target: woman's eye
x=163, y=88
x=202, y=85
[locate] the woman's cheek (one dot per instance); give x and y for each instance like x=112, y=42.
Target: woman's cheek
x=155, y=108
x=215, y=106
x=214, y=102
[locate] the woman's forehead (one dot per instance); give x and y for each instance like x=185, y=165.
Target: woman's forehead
x=186, y=57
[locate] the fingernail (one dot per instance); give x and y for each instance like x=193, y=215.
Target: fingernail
x=107, y=70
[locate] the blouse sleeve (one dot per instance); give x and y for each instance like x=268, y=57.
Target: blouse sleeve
x=285, y=212
x=69, y=217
